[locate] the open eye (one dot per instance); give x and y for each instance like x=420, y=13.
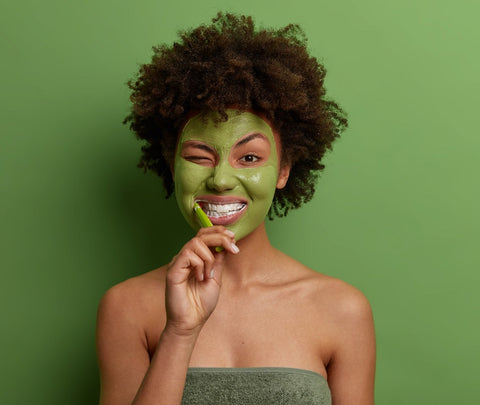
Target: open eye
x=252, y=150
x=250, y=158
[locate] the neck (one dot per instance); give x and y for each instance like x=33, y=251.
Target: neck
x=253, y=263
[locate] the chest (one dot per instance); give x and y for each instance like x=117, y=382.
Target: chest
x=264, y=334
x=260, y=331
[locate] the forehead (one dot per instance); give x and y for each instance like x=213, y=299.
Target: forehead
x=225, y=133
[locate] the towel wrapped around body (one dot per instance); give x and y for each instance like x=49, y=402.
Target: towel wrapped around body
x=255, y=386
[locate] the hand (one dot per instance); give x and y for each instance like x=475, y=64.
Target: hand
x=194, y=279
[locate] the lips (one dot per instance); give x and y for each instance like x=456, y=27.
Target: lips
x=222, y=212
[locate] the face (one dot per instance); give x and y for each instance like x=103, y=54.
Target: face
x=230, y=168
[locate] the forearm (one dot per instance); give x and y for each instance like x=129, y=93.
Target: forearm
x=165, y=379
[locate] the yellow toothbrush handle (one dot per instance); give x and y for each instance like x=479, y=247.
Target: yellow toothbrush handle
x=204, y=221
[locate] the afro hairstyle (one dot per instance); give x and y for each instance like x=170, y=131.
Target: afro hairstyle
x=230, y=62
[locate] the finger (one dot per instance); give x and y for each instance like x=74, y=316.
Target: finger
x=221, y=238
x=218, y=266
x=201, y=246
x=202, y=260
x=228, y=244
x=188, y=263
x=216, y=229
x=197, y=268
x=203, y=251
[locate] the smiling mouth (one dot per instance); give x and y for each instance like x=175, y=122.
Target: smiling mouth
x=220, y=210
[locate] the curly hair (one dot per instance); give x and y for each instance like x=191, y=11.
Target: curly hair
x=232, y=63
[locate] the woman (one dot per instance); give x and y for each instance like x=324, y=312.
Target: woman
x=235, y=120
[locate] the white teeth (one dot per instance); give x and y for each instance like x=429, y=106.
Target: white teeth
x=221, y=210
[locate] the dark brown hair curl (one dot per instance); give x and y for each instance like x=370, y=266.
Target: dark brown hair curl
x=231, y=63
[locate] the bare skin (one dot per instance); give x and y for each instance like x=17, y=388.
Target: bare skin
x=271, y=311
x=248, y=306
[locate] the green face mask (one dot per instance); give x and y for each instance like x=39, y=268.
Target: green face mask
x=230, y=168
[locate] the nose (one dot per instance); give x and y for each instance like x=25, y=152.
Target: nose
x=222, y=177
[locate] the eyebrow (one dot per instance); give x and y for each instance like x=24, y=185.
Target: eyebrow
x=199, y=145
x=249, y=138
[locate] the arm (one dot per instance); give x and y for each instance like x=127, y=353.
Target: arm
x=165, y=379
x=351, y=370
x=191, y=293
x=121, y=346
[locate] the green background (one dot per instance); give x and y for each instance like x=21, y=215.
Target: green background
x=395, y=214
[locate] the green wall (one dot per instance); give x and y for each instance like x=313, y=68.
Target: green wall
x=396, y=212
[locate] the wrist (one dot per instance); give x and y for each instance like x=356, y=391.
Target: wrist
x=178, y=331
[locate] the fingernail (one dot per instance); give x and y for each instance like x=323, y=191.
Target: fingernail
x=235, y=248
x=212, y=273
x=201, y=277
x=230, y=233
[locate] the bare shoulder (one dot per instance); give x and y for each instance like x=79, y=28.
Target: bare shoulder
x=122, y=337
x=133, y=299
x=334, y=297
x=348, y=334
x=343, y=299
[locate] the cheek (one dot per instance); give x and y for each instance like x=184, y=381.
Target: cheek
x=188, y=177
x=188, y=181
x=260, y=183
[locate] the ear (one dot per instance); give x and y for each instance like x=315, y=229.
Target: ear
x=283, y=176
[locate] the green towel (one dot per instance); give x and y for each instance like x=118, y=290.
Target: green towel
x=255, y=386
